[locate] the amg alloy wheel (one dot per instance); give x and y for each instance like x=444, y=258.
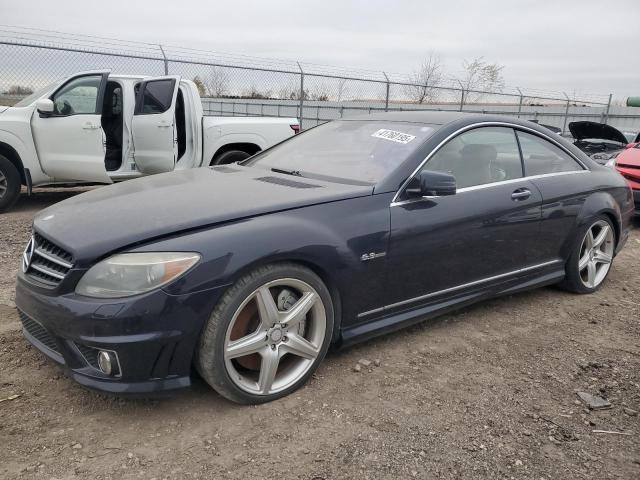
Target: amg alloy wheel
x=596, y=254
x=591, y=257
x=267, y=335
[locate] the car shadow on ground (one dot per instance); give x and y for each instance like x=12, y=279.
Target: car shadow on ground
x=43, y=198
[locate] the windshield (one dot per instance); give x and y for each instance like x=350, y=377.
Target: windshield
x=25, y=102
x=348, y=150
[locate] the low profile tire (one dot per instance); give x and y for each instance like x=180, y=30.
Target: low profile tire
x=267, y=335
x=232, y=156
x=591, y=257
x=10, y=184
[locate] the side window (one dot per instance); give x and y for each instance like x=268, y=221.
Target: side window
x=79, y=96
x=156, y=97
x=541, y=157
x=479, y=156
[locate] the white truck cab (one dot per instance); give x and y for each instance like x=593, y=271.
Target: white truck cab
x=94, y=127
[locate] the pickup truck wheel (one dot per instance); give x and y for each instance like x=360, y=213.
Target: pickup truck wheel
x=9, y=184
x=231, y=156
x=267, y=335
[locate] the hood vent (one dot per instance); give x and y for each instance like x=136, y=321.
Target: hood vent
x=286, y=183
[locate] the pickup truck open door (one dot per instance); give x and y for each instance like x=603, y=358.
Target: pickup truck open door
x=154, y=125
x=68, y=136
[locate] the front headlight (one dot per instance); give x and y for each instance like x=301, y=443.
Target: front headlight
x=129, y=274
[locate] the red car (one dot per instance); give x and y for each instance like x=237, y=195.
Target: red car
x=627, y=162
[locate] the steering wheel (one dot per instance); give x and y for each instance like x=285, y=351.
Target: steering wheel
x=65, y=109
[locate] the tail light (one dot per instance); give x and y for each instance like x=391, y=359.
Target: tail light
x=295, y=128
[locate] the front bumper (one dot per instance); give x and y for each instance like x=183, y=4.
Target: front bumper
x=154, y=335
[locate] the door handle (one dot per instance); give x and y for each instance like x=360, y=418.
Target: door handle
x=164, y=125
x=520, y=194
x=90, y=126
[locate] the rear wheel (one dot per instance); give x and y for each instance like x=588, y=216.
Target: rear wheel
x=592, y=256
x=9, y=184
x=267, y=335
x=232, y=156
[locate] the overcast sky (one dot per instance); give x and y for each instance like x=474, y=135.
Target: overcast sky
x=582, y=46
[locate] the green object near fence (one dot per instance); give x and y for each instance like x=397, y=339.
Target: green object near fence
x=633, y=102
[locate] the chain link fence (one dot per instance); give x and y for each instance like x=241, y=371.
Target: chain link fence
x=250, y=86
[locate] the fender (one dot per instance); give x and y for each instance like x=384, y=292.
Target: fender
x=330, y=239
x=597, y=203
x=27, y=155
x=212, y=145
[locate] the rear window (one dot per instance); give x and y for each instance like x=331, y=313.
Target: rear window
x=360, y=151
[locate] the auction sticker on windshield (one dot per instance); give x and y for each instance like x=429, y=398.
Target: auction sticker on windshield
x=394, y=136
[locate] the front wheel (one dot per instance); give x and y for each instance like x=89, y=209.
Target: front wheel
x=592, y=256
x=9, y=184
x=267, y=335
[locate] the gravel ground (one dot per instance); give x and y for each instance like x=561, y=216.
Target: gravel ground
x=489, y=392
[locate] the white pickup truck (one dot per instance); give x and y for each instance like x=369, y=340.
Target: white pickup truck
x=94, y=127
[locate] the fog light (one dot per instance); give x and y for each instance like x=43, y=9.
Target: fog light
x=106, y=362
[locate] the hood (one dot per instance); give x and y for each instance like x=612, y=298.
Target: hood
x=600, y=131
x=629, y=157
x=109, y=218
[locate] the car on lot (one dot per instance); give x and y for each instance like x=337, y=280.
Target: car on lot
x=627, y=163
x=600, y=141
x=95, y=127
x=352, y=229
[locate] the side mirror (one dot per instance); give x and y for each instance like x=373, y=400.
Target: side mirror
x=431, y=184
x=45, y=106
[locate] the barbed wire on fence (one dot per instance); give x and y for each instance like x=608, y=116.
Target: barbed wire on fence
x=33, y=57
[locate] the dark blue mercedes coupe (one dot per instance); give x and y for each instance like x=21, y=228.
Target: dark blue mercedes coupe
x=250, y=272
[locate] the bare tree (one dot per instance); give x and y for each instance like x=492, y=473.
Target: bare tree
x=479, y=77
x=217, y=82
x=425, y=80
x=202, y=90
x=321, y=93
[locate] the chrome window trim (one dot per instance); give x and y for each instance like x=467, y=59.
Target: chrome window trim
x=515, y=126
x=490, y=185
x=458, y=287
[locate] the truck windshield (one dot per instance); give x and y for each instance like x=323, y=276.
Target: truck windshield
x=352, y=150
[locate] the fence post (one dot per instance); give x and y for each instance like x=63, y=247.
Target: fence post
x=301, y=94
x=461, y=95
x=606, y=113
x=166, y=62
x=519, y=103
x=386, y=98
x=566, y=114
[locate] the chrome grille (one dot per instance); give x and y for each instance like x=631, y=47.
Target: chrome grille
x=38, y=332
x=45, y=262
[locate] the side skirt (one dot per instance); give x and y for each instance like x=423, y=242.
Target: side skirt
x=398, y=320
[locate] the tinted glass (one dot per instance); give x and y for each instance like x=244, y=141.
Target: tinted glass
x=157, y=97
x=479, y=156
x=541, y=157
x=359, y=151
x=78, y=96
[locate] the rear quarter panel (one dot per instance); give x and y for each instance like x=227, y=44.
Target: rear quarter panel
x=263, y=132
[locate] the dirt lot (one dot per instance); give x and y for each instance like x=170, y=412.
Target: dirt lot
x=489, y=392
